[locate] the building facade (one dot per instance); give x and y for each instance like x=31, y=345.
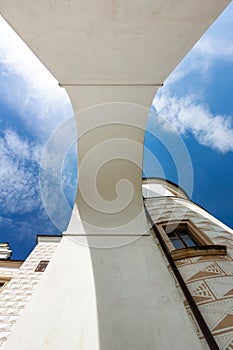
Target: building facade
x=107, y=285
x=195, y=248
x=18, y=280
x=206, y=268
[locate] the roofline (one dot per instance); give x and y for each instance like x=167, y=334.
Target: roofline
x=48, y=239
x=173, y=186
x=11, y=263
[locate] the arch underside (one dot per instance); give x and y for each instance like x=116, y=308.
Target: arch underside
x=111, y=56
x=104, y=52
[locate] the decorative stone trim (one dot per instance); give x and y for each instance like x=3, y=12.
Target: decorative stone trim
x=205, y=247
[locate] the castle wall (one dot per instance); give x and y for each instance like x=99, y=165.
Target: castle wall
x=208, y=278
x=17, y=292
x=118, y=298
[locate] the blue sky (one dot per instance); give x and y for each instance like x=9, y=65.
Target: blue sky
x=195, y=104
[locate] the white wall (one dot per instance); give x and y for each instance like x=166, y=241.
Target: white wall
x=121, y=298
x=23, y=281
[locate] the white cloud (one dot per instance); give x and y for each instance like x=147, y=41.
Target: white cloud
x=21, y=147
x=184, y=115
x=215, y=44
x=5, y=221
x=215, y=47
x=28, y=86
x=217, y=41
x=18, y=174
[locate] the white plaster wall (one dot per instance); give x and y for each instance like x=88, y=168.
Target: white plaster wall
x=101, y=42
x=105, y=52
x=16, y=294
x=7, y=272
x=121, y=298
x=168, y=208
x=155, y=190
x=208, y=278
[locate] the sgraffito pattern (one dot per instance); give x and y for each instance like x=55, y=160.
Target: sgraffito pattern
x=209, y=278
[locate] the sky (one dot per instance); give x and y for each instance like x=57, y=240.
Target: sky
x=195, y=106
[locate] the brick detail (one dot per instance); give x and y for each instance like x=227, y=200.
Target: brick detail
x=16, y=294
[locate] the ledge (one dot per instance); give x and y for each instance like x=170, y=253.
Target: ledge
x=48, y=239
x=198, y=250
x=14, y=264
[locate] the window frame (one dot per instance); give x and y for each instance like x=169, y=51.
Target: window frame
x=4, y=281
x=41, y=266
x=204, y=246
x=180, y=235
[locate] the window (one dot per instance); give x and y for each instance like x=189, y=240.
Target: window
x=3, y=282
x=41, y=266
x=184, y=239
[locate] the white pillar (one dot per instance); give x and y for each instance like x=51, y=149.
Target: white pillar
x=108, y=52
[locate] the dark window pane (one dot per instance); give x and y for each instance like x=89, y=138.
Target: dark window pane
x=187, y=238
x=177, y=243
x=42, y=266
x=182, y=238
x=171, y=235
x=183, y=233
x=189, y=241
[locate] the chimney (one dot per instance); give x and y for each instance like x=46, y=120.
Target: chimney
x=5, y=252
